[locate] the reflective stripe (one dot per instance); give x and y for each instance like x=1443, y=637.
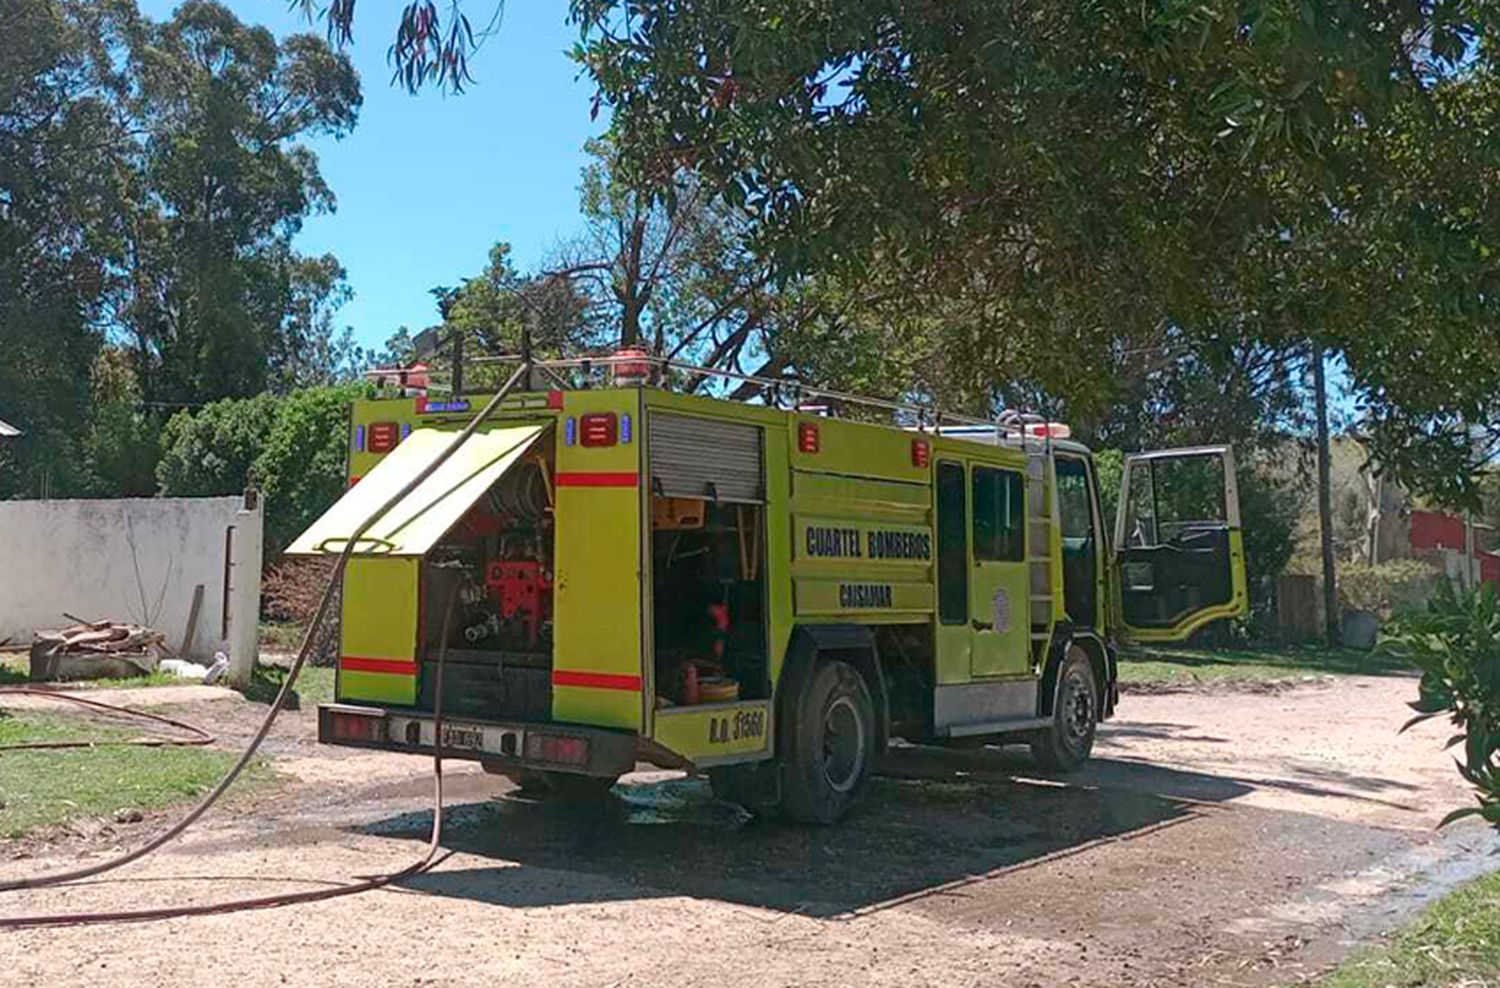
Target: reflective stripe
x=596, y=680
x=576, y=479
x=393, y=667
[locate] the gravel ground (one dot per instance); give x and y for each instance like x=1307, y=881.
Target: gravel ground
x=1238, y=839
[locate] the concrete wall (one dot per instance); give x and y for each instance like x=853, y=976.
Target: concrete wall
x=138, y=561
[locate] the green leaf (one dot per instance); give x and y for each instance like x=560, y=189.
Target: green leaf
x=1461, y=813
x=1419, y=719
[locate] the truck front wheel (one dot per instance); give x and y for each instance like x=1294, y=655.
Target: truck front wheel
x=831, y=747
x=1066, y=744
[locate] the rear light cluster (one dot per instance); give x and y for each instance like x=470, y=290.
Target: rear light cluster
x=559, y=749
x=384, y=436
x=598, y=429
x=356, y=727
x=921, y=453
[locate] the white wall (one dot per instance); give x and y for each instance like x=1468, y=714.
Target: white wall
x=138, y=561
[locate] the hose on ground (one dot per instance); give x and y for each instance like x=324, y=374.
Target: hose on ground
x=425, y=862
x=197, y=735
x=335, y=581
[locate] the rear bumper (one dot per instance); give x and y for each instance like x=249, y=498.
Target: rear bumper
x=501, y=746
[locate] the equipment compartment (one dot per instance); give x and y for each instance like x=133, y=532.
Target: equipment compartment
x=495, y=570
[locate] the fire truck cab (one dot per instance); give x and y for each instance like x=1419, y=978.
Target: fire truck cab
x=624, y=573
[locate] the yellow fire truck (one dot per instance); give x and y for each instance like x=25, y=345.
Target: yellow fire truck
x=768, y=595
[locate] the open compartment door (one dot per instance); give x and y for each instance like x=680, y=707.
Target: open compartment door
x=1179, y=552
x=421, y=518
x=380, y=653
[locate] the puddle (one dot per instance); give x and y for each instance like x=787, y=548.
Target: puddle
x=677, y=801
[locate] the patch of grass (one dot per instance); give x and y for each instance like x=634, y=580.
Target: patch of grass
x=1170, y=666
x=314, y=686
x=1455, y=943
x=47, y=788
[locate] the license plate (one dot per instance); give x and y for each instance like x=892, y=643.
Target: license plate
x=460, y=736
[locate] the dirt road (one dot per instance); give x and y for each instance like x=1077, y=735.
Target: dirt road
x=1219, y=839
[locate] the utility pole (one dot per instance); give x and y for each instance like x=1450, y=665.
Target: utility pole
x=1325, y=499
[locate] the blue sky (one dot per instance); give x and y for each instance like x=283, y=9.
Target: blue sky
x=426, y=183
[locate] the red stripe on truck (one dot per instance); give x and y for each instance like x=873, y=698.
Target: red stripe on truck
x=597, y=479
x=596, y=680
x=393, y=667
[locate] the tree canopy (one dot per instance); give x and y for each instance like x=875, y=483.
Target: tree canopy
x=152, y=177
x=1044, y=193
x=996, y=199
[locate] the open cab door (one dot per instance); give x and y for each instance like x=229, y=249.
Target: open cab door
x=1179, y=553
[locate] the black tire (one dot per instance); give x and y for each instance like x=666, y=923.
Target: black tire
x=569, y=787
x=1075, y=717
x=830, y=745
x=739, y=784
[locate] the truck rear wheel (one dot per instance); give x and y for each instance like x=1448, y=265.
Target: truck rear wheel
x=1075, y=716
x=831, y=745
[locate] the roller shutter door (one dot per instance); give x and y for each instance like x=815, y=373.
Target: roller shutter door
x=693, y=457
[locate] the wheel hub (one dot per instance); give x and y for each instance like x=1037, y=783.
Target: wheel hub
x=1078, y=711
x=843, y=745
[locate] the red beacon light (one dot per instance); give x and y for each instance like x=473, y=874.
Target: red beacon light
x=1048, y=430
x=631, y=367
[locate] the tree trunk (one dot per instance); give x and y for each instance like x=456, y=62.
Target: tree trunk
x=1325, y=500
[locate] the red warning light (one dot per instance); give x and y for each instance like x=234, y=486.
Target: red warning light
x=807, y=437
x=920, y=452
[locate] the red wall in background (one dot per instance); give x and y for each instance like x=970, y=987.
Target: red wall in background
x=1431, y=530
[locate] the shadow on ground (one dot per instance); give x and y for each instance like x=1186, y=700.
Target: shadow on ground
x=933, y=819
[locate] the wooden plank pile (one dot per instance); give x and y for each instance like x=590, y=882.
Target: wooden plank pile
x=96, y=650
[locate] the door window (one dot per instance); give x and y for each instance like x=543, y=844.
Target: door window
x=1080, y=543
x=1171, y=498
x=953, y=548
x=999, y=515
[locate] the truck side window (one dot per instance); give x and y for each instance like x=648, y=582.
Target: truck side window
x=953, y=547
x=999, y=519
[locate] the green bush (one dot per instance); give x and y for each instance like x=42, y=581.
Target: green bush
x=1389, y=588
x=211, y=451
x=302, y=466
x=292, y=447
x=1455, y=642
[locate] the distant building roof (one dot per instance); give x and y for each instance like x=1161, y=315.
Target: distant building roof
x=8, y=431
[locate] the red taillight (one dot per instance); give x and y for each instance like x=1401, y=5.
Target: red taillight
x=555, y=400
x=807, y=437
x=920, y=452
x=356, y=727
x=353, y=481
x=384, y=436
x=560, y=749
x=599, y=429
